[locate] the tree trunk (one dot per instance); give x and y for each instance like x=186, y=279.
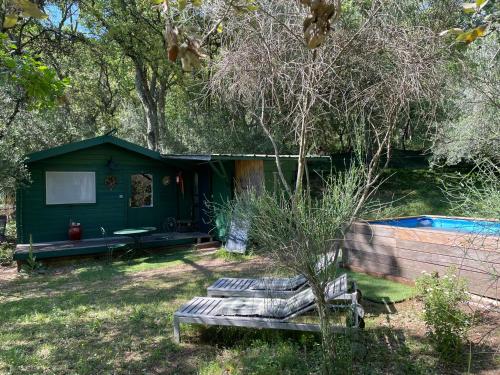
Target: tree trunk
x=327, y=335
x=275, y=147
x=161, y=109
x=302, y=156
x=148, y=104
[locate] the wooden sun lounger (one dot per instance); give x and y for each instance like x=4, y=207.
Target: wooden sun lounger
x=239, y=287
x=264, y=287
x=199, y=311
x=207, y=311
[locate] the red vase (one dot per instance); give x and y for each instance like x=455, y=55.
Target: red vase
x=75, y=232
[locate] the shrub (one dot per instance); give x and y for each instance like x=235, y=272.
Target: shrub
x=31, y=264
x=300, y=231
x=476, y=194
x=6, y=253
x=447, y=323
x=223, y=253
x=11, y=230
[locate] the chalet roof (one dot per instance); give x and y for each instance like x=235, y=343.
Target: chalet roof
x=91, y=142
x=109, y=139
x=212, y=157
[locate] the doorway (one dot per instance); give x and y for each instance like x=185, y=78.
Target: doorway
x=201, y=196
x=141, y=202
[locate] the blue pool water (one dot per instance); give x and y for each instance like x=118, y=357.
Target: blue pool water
x=447, y=224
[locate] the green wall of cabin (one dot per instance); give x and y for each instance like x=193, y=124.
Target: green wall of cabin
x=111, y=210
x=223, y=186
x=222, y=191
x=272, y=179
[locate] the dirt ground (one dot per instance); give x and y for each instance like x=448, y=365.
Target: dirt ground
x=8, y=274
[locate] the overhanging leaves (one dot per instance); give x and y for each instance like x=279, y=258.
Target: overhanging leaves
x=20, y=8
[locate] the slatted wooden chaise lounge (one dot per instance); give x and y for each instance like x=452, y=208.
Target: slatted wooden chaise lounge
x=263, y=287
x=271, y=313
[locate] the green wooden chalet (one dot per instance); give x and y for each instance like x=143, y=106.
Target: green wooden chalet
x=106, y=182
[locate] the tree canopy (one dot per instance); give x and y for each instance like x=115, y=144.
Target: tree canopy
x=250, y=76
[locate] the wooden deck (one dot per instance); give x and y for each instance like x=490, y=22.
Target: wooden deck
x=45, y=250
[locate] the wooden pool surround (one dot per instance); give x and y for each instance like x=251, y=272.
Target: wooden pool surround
x=404, y=253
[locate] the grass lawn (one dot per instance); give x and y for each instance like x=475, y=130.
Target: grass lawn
x=101, y=319
x=413, y=192
x=380, y=290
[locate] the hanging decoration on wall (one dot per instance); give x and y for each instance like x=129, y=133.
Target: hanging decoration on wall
x=165, y=180
x=111, y=181
x=180, y=181
x=170, y=224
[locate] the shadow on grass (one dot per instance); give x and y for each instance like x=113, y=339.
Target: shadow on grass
x=122, y=327
x=112, y=320
x=373, y=351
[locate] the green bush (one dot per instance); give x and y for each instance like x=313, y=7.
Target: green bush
x=6, y=253
x=446, y=321
x=476, y=194
x=11, y=230
x=229, y=256
x=31, y=264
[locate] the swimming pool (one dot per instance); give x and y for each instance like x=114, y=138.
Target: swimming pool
x=446, y=224
x=405, y=247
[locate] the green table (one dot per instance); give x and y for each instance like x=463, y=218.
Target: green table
x=135, y=233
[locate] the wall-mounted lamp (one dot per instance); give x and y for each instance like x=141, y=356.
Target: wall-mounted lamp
x=111, y=165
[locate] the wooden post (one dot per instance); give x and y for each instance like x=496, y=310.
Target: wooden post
x=354, y=306
x=177, y=331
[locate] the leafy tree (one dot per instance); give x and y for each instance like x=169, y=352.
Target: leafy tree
x=470, y=129
x=362, y=79
x=476, y=194
x=371, y=81
x=135, y=28
x=482, y=20
x=28, y=83
x=26, y=80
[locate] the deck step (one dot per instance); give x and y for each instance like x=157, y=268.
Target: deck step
x=207, y=245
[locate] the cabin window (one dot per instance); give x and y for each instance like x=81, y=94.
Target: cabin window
x=141, y=190
x=70, y=187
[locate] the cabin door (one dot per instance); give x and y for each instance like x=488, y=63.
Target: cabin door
x=249, y=175
x=141, y=202
x=201, y=195
x=113, y=215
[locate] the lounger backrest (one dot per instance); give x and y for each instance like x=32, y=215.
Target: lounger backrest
x=295, y=282
x=306, y=298
x=268, y=307
x=298, y=302
x=336, y=287
x=270, y=283
x=325, y=262
x=277, y=308
x=280, y=308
